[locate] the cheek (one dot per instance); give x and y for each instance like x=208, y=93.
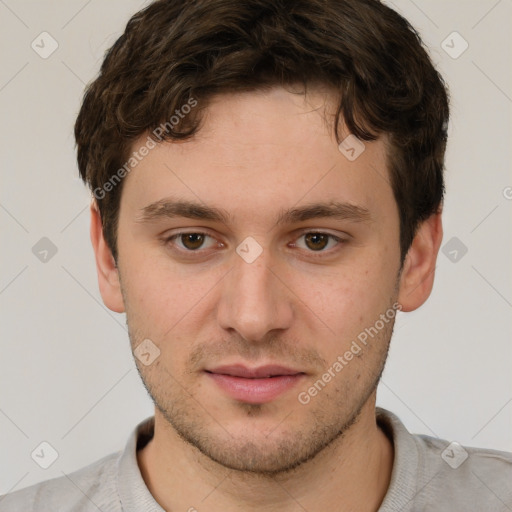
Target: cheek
x=349, y=299
x=166, y=304
x=153, y=303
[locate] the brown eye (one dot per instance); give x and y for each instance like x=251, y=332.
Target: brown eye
x=192, y=244
x=317, y=241
x=192, y=241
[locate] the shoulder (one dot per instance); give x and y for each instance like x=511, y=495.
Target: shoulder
x=90, y=488
x=481, y=474
x=432, y=474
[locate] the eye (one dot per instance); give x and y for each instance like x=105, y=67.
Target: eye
x=317, y=242
x=190, y=242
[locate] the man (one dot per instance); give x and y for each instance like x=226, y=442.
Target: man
x=268, y=183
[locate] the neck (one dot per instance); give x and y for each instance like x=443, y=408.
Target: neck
x=352, y=473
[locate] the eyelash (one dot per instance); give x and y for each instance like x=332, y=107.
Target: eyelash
x=340, y=242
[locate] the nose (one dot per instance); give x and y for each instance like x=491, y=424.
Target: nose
x=254, y=299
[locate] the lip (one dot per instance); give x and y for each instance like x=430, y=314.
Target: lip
x=239, y=370
x=255, y=385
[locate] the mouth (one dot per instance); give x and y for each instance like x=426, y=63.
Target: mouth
x=254, y=385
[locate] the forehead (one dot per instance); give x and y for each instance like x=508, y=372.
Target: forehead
x=262, y=150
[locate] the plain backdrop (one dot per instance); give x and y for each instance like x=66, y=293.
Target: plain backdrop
x=67, y=376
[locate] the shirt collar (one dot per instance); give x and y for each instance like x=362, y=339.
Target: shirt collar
x=133, y=492
x=135, y=496
x=404, y=475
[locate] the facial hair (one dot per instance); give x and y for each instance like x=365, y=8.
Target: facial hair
x=304, y=432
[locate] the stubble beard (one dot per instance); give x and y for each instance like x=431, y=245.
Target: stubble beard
x=328, y=418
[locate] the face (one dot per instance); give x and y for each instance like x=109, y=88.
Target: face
x=253, y=256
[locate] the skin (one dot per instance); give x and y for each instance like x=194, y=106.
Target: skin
x=299, y=304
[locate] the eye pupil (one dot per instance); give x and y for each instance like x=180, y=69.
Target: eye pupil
x=192, y=240
x=317, y=238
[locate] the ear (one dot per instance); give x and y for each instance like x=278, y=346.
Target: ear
x=108, y=273
x=417, y=277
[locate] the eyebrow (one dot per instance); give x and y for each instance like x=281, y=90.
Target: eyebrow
x=168, y=209
x=334, y=209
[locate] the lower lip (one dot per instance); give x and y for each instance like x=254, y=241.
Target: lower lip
x=255, y=391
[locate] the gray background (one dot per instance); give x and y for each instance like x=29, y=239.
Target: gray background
x=66, y=371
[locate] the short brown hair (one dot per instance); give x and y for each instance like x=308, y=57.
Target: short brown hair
x=174, y=51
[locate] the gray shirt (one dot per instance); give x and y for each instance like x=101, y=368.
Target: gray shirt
x=429, y=474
